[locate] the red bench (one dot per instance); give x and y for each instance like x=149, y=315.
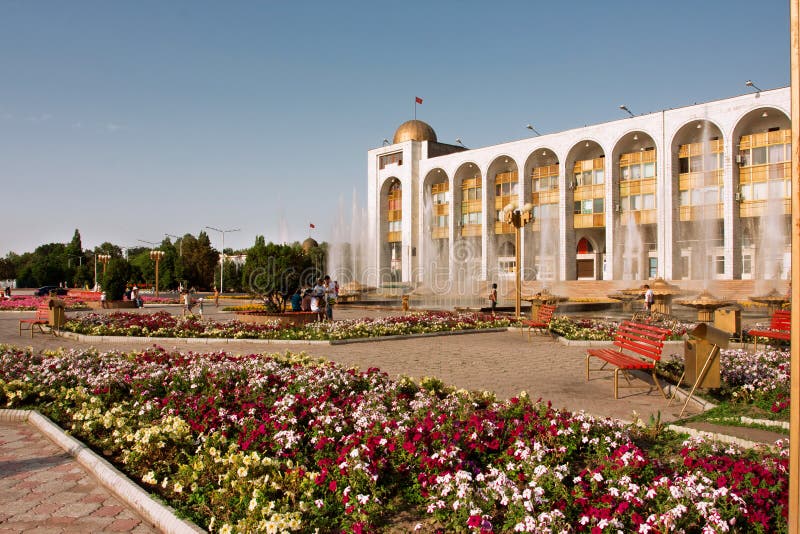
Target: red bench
x=780, y=328
x=42, y=318
x=542, y=321
x=643, y=343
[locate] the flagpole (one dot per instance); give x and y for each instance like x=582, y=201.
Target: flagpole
x=415, y=108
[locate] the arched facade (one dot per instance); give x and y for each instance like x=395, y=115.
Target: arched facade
x=685, y=193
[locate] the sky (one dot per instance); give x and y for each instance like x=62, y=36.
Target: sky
x=132, y=120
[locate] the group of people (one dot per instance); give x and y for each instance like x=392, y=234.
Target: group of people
x=6, y=293
x=132, y=293
x=318, y=299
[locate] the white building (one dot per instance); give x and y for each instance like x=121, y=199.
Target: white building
x=699, y=192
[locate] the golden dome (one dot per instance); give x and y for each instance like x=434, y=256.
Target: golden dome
x=414, y=130
x=309, y=243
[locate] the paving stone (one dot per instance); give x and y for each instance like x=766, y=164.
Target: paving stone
x=79, y=509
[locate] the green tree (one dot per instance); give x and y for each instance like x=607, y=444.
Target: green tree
x=199, y=261
x=116, y=277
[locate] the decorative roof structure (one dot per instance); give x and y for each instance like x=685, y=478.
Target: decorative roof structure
x=414, y=130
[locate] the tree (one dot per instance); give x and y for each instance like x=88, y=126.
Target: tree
x=199, y=261
x=116, y=277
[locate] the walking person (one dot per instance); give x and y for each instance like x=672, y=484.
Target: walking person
x=103, y=298
x=216, y=297
x=493, y=298
x=200, y=307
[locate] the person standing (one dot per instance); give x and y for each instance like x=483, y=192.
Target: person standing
x=103, y=298
x=330, y=297
x=200, y=307
x=649, y=298
x=493, y=298
x=216, y=297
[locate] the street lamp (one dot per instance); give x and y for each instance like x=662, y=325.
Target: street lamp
x=518, y=218
x=749, y=83
x=624, y=108
x=156, y=256
x=531, y=128
x=180, y=245
x=104, y=259
x=222, y=263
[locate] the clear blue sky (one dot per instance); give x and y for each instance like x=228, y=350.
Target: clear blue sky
x=129, y=120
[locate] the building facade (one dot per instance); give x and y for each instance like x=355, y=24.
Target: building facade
x=699, y=192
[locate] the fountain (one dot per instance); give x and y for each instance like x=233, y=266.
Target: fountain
x=663, y=292
x=627, y=297
x=773, y=300
x=705, y=304
x=350, y=246
x=542, y=297
x=632, y=252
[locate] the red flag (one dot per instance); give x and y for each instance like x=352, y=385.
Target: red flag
x=311, y=225
x=419, y=100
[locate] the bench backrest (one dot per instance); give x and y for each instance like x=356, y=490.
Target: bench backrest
x=781, y=320
x=546, y=312
x=43, y=311
x=643, y=339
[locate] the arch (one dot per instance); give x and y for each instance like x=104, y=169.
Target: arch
x=761, y=181
x=584, y=246
x=698, y=229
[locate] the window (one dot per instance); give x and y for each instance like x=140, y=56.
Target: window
x=649, y=202
x=636, y=172
x=599, y=176
x=388, y=159
x=685, y=266
x=625, y=173
x=759, y=155
x=776, y=154
x=695, y=164
x=683, y=165
x=653, y=267
x=747, y=264
x=598, y=205
x=586, y=178
x=395, y=226
x=684, y=198
x=649, y=170
x=635, y=202
x=471, y=218
x=440, y=221
x=720, y=264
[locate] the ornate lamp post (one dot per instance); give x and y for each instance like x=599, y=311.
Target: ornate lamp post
x=104, y=259
x=518, y=218
x=156, y=256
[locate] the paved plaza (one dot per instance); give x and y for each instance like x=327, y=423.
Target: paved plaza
x=43, y=490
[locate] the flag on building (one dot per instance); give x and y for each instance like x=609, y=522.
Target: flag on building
x=311, y=225
x=419, y=100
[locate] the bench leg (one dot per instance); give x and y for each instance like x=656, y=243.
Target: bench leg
x=658, y=384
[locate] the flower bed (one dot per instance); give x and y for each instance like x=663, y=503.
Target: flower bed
x=603, y=330
x=150, y=299
x=28, y=302
x=760, y=379
x=283, y=443
x=163, y=324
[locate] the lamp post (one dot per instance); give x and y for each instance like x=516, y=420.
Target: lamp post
x=104, y=259
x=222, y=262
x=156, y=256
x=180, y=245
x=518, y=218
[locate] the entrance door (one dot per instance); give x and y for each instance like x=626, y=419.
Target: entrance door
x=585, y=269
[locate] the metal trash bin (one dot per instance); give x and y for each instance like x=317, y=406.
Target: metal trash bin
x=729, y=319
x=56, y=317
x=697, y=351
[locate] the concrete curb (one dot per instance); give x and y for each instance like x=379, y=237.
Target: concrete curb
x=162, y=516
x=718, y=437
x=224, y=341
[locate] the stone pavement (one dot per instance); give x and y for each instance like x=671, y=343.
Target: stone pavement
x=43, y=489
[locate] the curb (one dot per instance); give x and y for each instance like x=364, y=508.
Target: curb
x=223, y=341
x=161, y=516
x=718, y=437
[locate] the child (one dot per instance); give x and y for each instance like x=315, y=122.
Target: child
x=493, y=297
